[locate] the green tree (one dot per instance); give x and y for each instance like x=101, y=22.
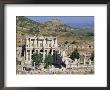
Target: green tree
x=37, y=58
x=92, y=56
x=74, y=55
x=48, y=60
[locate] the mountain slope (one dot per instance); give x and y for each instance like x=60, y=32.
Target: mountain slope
x=54, y=27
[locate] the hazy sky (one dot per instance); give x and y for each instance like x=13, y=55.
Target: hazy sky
x=65, y=19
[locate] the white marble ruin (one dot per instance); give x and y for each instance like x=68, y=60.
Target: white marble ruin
x=38, y=44
x=46, y=44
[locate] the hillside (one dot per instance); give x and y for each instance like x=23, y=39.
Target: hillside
x=54, y=27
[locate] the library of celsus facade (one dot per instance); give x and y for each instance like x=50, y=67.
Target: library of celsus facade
x=41, y=45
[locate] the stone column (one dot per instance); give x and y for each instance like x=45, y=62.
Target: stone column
x=52, y=51
x=30, y=55
x=63, y=54
x=44, y=55
x=35, y=42
x=84, y=61
x=30, y=42
x=52, y=42
x=26, y=55
x=38, y=44
x=47, y=43
x=56, y=42
x=44, y=43
x=89, y=62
